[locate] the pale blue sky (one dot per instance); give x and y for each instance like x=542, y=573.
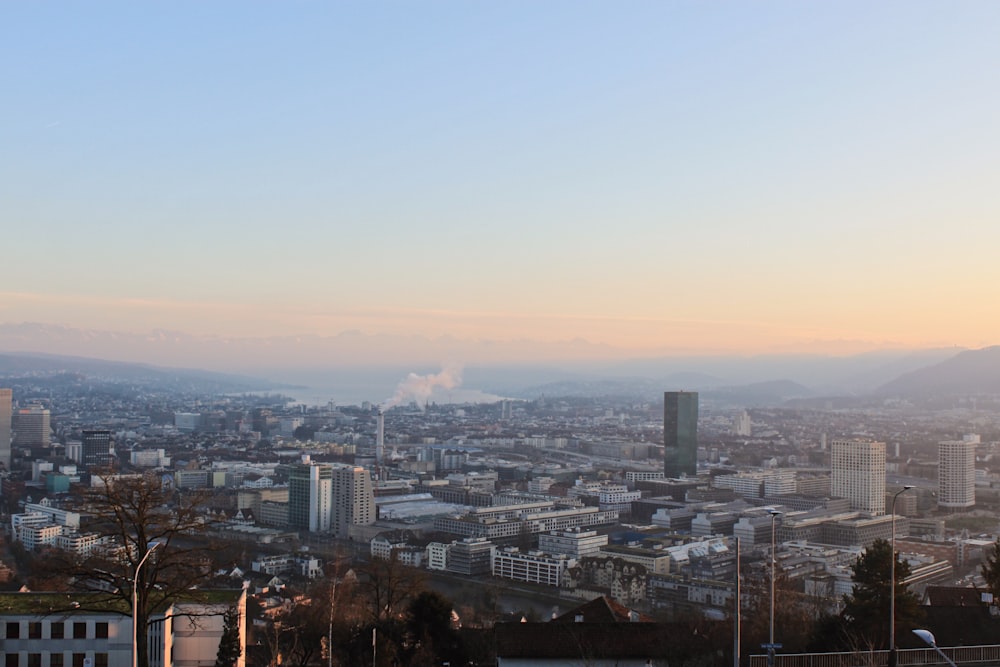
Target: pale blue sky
x=651, y=175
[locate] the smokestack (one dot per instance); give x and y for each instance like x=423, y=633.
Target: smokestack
x=380, y=437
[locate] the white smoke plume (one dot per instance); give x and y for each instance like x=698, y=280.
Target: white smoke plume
x=420, y=387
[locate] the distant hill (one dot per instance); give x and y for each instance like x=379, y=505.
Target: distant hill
x=883, y=370
x=967, y=373
x=14, y=365
x=758, y=394
x=633, y=388
x=340, y=366
x=639, y=388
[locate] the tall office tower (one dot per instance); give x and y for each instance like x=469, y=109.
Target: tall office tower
x=742, y=424
x=680, y=433
x=95, y=450
x=309, y=496
x=380, y=437
x=957, y=474
x=6, y=407
x=858, y=474
x=31, y=427
x=353, y=499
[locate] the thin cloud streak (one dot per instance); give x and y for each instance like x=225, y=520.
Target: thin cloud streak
x=636, y=335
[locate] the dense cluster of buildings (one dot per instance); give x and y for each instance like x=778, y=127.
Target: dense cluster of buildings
x=646, y=508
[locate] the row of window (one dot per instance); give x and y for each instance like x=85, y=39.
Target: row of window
x=57, y=630
x=56, y=660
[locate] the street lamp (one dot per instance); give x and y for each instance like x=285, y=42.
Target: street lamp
x=135, y=604
x=928, y=638
x=770, y=640
x=892, y=576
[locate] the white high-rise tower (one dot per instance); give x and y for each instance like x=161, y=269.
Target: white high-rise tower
x=858, y=474
x=353, y=499
x=957, y=474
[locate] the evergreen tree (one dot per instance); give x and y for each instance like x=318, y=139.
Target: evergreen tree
x=229, y=644
x=866, y=610
x=991, y=572
x=432, y=639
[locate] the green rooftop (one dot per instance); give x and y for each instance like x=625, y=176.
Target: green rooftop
x=84, y=603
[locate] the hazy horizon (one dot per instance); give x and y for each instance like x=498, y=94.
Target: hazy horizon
x=315, y=370
x=355, y=350
x=448, y=182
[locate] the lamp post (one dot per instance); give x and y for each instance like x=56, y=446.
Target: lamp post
x=892, y=577
x=736, y=609
x=135, y=604
x=928, y=638
x=770, y=637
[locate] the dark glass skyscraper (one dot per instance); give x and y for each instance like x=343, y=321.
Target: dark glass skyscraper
x=680, y=433
x=6, y=415
x=96, y=450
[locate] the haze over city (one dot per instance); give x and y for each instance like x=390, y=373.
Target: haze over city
x=499, y=333
x=503, y=182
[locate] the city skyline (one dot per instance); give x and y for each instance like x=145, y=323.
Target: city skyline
x=612, y=182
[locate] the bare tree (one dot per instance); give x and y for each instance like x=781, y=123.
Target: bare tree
x=141, y=521
x=387, y=585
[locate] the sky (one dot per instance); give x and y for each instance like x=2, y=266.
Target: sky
x=677, y=177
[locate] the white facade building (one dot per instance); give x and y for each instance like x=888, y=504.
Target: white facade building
x=957, y=474
x=858, y=474
x=632, y=476
x=437, y=556
x=540, y=484
x=33, y=534
x=742, y=425
x=617, y=497
x=55, y=515
x=533, y=567
x=83, y=544
x=575, y=543
x=183, y=635
x=353, y=499
x=149, y=458
x=272, y=564
x=758, y=484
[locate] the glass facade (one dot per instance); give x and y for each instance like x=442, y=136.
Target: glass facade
x=680, y=433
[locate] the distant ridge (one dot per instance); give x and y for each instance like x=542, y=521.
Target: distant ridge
x=969, y=372
x=757, y=394
x=26, y=364
x=351, y=365
x=627, y=387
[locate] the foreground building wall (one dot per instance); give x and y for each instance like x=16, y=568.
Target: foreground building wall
x=35, y=633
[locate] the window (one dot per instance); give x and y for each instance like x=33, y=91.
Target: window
x=13, y=630
x=34, y=660
x=56, y=660
x=79, y=631
x=101, y=630
x=57, y=630
x=78, y=659
x=11, y=660
x=100, y=660
x=34, y=630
